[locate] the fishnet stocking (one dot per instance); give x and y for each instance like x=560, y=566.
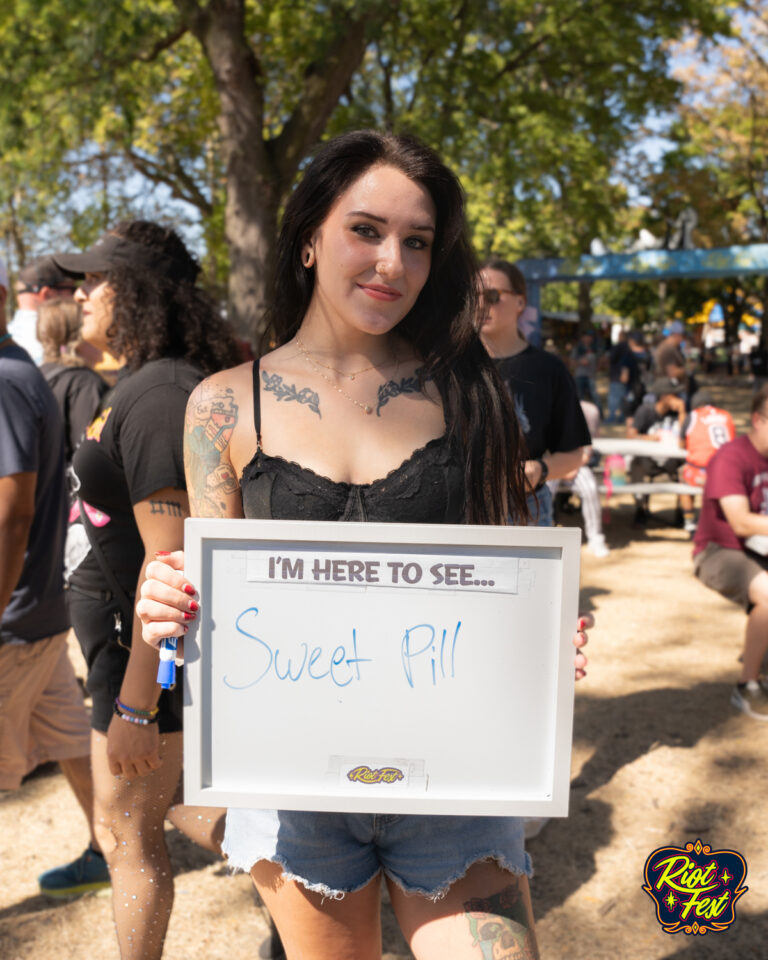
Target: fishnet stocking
x=129, y=824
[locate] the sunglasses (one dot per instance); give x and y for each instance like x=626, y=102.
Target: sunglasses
x=38, y=287
x=491, y=295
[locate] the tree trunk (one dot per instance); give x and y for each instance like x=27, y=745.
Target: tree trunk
x=251, y=230
x=251, y=205
x=585, y=306
x=662, y=303
x=260, y=173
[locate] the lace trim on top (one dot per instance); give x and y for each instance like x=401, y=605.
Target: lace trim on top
x=308, y=471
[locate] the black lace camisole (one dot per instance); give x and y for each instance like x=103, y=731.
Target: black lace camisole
x=428, y=487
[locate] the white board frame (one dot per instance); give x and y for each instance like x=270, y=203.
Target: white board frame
x=556, y=550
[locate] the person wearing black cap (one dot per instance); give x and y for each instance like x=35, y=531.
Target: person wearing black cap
x=660, y=420
x=140, y=304
x=38, y=281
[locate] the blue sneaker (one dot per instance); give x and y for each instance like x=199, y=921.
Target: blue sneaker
x=85, y=875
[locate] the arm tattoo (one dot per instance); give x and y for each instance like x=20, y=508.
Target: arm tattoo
x=393, y=388
x=211, y=418
x=273, y=383
x=170, y=507
x=499, y=925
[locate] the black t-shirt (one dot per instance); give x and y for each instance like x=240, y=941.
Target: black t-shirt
x=546, y=402
x=132, y=449
x=78, y=392
x=621, y=358
x=32, y=441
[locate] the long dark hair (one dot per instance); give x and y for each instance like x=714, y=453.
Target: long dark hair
x=441, y=325
x=163, y=313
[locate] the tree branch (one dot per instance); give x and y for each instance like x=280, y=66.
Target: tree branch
x=322, y=90
x=220, y=29
x=520, y=59
x=165, y=43
x=181, y=185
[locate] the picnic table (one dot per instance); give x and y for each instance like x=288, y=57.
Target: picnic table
x=637, y=447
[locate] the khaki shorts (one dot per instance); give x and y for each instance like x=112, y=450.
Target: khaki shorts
x=729, y=571
x=42, y=714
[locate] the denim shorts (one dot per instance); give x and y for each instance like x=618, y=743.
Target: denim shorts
x=337, y=853
x=540, y=507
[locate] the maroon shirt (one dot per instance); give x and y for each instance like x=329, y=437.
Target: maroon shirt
x=735, y=469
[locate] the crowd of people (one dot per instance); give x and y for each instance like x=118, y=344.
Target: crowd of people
x=397, y=387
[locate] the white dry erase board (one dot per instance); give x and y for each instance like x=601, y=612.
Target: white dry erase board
x=380, y=668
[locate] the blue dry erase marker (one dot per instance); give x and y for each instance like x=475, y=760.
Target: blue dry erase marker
x=166, y=669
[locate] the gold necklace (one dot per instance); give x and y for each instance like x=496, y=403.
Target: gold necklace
x=350, y=376
x=365, y=407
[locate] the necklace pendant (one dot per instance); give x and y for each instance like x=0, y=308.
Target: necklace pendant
x=368, y=409
x=351, y=376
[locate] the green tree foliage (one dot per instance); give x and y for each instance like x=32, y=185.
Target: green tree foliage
x=718, y=161
x=221, y=102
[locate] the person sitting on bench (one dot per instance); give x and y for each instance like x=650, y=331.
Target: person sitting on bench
x=660, y=420
x=729, y=555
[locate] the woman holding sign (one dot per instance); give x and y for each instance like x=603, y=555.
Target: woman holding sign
x=379, y=403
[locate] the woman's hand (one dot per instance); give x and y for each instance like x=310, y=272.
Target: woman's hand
x=532, y=473
x=168, y=601
x=580, y=639
x=133, y=750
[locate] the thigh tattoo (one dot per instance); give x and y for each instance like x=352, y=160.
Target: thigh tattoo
x=499, y=925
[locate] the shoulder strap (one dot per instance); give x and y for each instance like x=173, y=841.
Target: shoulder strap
x=257, y=402
x=120, y=595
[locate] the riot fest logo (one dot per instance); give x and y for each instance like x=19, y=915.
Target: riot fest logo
x=695, y=888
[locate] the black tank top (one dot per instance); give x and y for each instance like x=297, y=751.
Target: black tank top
x=428, y=487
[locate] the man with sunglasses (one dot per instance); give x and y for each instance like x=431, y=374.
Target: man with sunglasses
x=541, y=387
x=38, y=281
x=731, y=545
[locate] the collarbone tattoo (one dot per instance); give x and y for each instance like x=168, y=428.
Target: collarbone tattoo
x=393, y=388
x=273, y=383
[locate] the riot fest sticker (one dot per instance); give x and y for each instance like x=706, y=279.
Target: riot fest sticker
x=695, y=888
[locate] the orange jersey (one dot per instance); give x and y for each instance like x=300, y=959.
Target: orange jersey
x=709, y=429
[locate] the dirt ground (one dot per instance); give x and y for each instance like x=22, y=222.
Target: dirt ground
x=659, y=757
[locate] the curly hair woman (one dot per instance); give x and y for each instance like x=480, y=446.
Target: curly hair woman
x=141, y=304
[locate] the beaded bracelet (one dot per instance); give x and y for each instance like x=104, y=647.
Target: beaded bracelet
x=135, y=710
x=142, y=721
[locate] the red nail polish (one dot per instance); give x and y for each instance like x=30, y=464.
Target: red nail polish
x=189, y=616
x=162, y=553
x=189, y=589
x=194, y=607
x=582, y=623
